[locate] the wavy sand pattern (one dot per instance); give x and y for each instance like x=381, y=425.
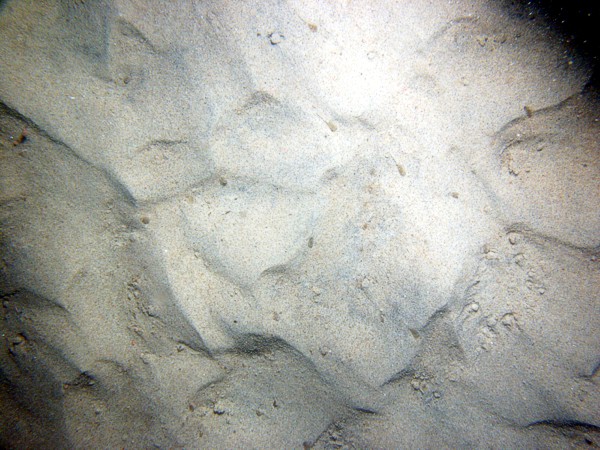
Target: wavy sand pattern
x=296, y=224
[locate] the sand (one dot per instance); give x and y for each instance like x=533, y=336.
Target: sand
x=297, y=224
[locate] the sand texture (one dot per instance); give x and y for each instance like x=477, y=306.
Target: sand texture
x=296, y=224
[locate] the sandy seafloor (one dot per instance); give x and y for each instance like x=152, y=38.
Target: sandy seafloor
x=301, y=223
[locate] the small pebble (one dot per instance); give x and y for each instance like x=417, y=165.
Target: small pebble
x=491, y=255
x=18, y=339
x=401, y=170
x=275, y=38
x=507, y=320
x=474, y=307
x=520, y=259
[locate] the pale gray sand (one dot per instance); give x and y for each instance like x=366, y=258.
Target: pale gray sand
x=296, y=224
